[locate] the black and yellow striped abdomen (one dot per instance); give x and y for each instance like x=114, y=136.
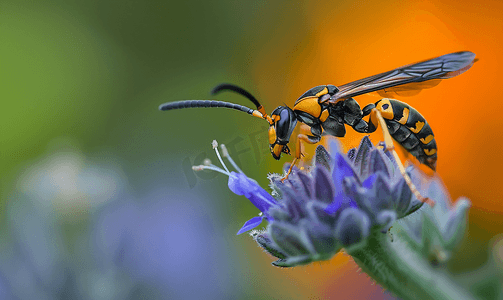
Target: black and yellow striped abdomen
x=409, y=128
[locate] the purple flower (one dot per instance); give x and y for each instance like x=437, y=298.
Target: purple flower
x=241, y=185
x=335, y=203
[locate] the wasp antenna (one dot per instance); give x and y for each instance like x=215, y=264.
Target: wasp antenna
x=204, y=103
x=237, y=89
x=243, y=92
x=214, y=103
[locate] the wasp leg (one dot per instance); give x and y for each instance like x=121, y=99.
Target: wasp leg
x=372, y=124
x=305, y=129
x=298, y=150
x=390, y=147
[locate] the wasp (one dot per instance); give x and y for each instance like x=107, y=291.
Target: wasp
x=327, y=109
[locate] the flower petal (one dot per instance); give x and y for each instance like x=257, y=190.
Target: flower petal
x=353, y=227
x=265, y=241
x=455, y=226
x=306, y=183
x=321, y=239
x=342, y=167
x=323, y=186
x=292, y=261
x=361, y=158
x=369, y=182
x=332, y=208
x=322, y=157
x=380, y=163
x=289, y=238
x=241, y=185
x=250, y=224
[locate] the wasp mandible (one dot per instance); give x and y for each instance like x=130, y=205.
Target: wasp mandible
x=328, y=109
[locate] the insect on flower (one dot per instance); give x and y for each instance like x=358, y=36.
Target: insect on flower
x=327, y=108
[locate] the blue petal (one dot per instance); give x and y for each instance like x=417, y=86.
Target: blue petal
x=241, y=185
x=250, y=224
x=342, y=171
x=342, y=166
x=335, y=146
x=332, y=208
x=369, y=182
x=323, y=186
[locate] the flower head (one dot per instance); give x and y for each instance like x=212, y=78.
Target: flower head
x=334, y=204
x=350, y=201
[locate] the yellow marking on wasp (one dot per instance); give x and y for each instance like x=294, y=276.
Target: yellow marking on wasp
x=277, y=150
x=272, y=135
x=305, y=98
x=257, y=114
x=262, y=115
x=430, y=151
x=388, y=112
x=427, y=139
x=419, y=126
x=322, y=92
x=324, y=115
x=309, y=105
x=405, y=116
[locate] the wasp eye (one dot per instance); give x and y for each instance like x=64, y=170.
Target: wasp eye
x=285, y=123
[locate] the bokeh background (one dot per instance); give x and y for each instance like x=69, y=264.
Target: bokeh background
x=98, y=200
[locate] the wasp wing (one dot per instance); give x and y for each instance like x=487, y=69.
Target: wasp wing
x=408, y=89
x=410, y=77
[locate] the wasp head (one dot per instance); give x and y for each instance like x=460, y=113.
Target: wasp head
x=280, y=130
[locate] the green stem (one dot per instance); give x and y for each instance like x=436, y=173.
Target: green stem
x=403, y=271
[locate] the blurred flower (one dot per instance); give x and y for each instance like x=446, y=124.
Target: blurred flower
x=44, y=254
x=166, y=246
x=438, y=230
x=66, y=180
x=156, y=248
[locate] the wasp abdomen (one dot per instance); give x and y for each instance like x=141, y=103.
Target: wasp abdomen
x=409, y=128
